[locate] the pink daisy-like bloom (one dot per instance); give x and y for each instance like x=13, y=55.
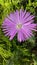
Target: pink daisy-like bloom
x=20, y=23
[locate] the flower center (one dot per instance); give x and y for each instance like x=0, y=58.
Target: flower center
x=19, y=26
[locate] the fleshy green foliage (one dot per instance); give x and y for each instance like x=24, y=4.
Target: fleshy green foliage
x=13, y=52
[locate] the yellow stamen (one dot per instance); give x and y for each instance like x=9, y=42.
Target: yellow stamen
x=19, y=26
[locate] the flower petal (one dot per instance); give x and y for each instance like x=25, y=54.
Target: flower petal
x=28, y=18
x=9, y=28
x=22, y=14
x=14, y=17
x=12, y=35
x=20, y=36
x=29, y=22
x=27, y=32
x=26, y=15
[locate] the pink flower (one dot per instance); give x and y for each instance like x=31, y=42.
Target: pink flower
x=20, y=23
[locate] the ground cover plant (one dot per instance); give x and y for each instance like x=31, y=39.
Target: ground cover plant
x=14, y=52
